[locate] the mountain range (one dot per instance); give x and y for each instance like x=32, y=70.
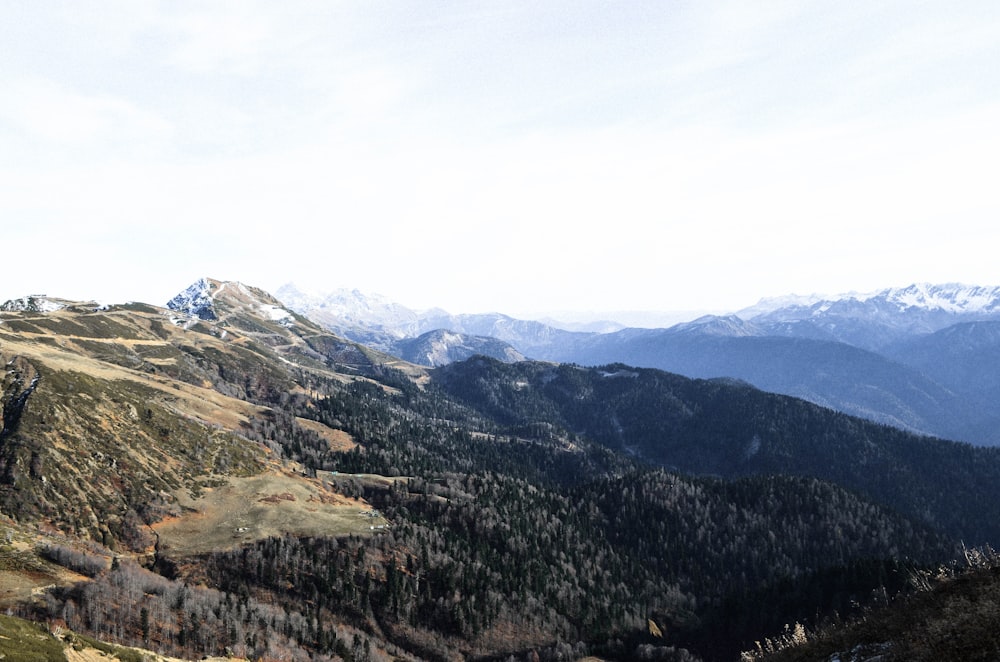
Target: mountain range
x=226, y=476
x=921, y=357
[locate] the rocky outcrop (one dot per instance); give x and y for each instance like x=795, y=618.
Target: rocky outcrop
x=19, y=382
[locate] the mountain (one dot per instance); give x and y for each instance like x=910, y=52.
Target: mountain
x=231, y=302
x=138, y=433
x=868, y=321
x=354, y=312
x=729, y=326
x=441, y=347
x=771, y=304
x=226, y=476
x=944, y=333
x=847, y=352
x=429, y=338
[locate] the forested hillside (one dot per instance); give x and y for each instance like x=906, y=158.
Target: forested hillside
x=725, y=428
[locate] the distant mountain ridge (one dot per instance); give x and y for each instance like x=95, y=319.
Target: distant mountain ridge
x=349, y=308
x=418, y=336
x=955, y=297
x=858, y=353
x=875, y=320
x=916, y=308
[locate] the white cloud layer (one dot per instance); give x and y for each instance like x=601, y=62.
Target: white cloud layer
x=499, y=156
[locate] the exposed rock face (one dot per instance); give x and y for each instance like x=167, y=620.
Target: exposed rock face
x=19, y=382
x=196, y=300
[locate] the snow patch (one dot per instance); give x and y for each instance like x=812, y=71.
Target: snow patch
x=33, y=303
x=619, y=373
x=184, y=322
x=275, y=313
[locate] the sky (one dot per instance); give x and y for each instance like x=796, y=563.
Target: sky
x=513, y=156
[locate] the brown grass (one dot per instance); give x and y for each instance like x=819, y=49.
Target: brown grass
x=204, y=404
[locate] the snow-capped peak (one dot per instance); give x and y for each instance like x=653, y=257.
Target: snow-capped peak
x=195, y=301
x=215, y=300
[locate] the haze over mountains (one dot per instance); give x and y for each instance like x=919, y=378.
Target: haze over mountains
x=922, y=357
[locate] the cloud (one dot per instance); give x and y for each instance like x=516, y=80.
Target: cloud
x=221, y=38
x=482, y=155
x=50, y=113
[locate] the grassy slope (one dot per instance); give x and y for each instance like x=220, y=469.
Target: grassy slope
x=133, y=412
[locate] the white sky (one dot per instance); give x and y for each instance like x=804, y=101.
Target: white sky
x=510, y=156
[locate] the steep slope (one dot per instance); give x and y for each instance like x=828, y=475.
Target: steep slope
x=499, y=563
x=23, y=640
x=142, y=432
